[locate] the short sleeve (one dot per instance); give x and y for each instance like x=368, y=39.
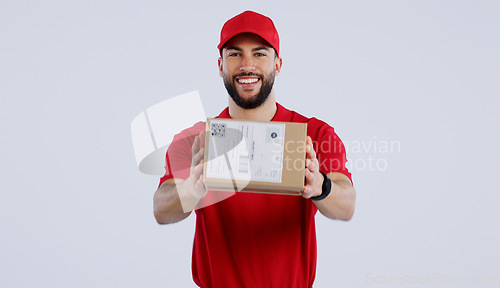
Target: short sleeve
x=331, y=152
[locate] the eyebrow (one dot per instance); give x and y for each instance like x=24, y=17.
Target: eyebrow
x=253, y=50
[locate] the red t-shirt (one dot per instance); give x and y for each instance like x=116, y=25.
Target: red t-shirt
x=257, y=240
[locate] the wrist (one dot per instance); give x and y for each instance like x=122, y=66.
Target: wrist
x=326, y=188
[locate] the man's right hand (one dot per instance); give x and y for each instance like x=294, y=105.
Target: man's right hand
x=175, y=199
x=193, y=186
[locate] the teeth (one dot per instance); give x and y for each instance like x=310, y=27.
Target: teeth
x=247, y=81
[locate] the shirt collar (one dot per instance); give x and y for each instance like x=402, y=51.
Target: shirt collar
x=282, y=114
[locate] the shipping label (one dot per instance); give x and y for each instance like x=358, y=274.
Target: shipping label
x=242, y=150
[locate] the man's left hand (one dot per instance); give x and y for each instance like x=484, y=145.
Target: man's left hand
x=314, y=179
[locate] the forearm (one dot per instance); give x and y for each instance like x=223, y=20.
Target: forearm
x=340, y=203
x=168, y=206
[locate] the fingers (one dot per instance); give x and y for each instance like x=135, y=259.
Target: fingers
x=201, y=139
x=197, y=149
x=312, y=162
x=197, y=170
x=310, y=153
x=199, y=142
x=196, y=145
x=197, y=158
x=312, y=165
x=309, y=176
x=196, y=162
x=313, y=184
x=308, y=188
x=192, y=190
x=199, y=188
x=195, y=185
x=313, y=180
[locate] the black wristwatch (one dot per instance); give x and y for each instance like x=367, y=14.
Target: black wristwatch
x=326, y=188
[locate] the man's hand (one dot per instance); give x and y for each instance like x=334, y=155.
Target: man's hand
x=175, y=199
x=314, y=179
x=195, y=179
x=339, y=204
x=193, y=188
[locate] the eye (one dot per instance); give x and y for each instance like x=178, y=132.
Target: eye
x=234, y=54
x=260, y=54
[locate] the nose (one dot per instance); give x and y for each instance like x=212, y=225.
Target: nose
x=247, y=64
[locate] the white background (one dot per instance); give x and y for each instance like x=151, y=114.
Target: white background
x=76, y=212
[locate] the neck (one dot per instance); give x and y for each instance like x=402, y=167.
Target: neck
x=263, y=113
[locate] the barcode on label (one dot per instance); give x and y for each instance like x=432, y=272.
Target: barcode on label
x=218, y=129
x=243, y=164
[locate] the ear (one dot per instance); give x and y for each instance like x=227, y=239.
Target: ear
x=220, y=66
x=277, y=65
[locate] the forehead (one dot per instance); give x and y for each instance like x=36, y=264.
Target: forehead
x=247, y=39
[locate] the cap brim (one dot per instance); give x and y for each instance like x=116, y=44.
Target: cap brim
x=230, y=36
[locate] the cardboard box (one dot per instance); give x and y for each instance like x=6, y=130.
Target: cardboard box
x=261, y=157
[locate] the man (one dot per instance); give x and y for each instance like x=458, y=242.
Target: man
x=250, y=239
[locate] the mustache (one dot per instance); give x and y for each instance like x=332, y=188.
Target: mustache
x=248, y=74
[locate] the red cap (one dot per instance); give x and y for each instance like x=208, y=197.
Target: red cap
x=250, y=22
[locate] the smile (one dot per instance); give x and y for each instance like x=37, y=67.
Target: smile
x=247, y=80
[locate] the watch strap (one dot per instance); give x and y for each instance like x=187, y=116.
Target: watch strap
x=325, y=188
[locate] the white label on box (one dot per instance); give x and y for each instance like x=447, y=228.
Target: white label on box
x=243, y=150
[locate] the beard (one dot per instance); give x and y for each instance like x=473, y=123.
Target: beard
x=256, y=100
